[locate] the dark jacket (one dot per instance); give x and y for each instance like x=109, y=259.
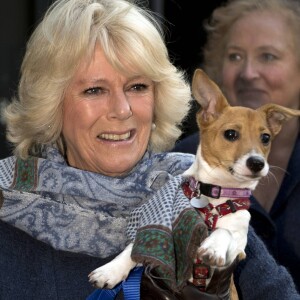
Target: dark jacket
x=42, y=273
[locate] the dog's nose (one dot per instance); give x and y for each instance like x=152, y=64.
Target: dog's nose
x=255, y=163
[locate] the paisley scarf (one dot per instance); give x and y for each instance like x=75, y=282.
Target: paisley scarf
x=84, y=212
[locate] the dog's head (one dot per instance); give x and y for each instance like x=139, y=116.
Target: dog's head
x=235, y=140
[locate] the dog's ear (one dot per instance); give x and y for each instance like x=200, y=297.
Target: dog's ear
x=276, y=115
x=208, y=95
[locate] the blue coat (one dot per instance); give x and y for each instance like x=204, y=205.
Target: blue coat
x=42, y=273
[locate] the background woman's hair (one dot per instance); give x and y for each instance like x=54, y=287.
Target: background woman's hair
x=132, y=41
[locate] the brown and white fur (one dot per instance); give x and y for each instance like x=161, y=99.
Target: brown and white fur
x=233, y=153
x=235, y=144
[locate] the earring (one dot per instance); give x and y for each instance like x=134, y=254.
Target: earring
x=153, y=126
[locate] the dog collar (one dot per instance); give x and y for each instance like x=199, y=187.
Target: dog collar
x=193, y=188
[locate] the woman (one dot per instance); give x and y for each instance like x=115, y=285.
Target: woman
x=252, y=52
x=98, y=102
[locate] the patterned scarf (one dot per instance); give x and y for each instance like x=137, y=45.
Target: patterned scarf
x=85, y=212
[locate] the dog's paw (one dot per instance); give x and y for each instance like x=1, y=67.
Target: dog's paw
x=107, y=276
x=219, y=249
x=112, y=273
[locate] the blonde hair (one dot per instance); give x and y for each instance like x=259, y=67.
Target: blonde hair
x=131, y=40
x=223, y=17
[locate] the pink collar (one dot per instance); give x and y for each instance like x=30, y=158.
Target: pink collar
x=193, y=188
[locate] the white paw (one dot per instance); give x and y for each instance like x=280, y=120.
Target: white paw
x=219, y=249
x=108, y=276
x=112, y=273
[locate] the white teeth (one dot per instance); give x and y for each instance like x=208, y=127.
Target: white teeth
x=115, y=137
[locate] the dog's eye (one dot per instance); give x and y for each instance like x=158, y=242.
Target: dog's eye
x=231, y=135
x=265, y=138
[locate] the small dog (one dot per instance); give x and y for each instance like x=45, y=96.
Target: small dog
x=230, y=161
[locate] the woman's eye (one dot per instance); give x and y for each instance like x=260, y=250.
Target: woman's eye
x=231, y=135
x=93, y=91
x=139, y=87
x=234, y=57
x=268, y=57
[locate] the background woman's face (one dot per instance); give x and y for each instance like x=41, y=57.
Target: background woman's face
x=107, y=118
x=261, y=62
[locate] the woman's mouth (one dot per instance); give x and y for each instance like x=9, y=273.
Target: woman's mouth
x=115, y=137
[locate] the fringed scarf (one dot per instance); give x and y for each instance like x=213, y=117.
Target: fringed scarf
x=85, y=212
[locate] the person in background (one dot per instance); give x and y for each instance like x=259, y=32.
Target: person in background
x=253, y=54
x=99, y=103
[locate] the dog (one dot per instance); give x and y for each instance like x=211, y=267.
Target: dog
x=230, y=160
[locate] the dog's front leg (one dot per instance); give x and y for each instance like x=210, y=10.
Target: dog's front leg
x=227, y=241
x=215, y=248
x=113, y=272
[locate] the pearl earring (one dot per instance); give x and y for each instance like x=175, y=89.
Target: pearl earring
x=153, y=126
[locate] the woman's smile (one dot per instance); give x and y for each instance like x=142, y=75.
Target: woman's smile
x=116, y=137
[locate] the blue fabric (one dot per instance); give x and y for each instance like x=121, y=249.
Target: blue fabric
x=43, y=273
x=280, y=228
x=256, y=277
x=105, y=294
x=130, y=286
x=71, y=209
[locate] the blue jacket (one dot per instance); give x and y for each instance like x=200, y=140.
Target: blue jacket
x=42, y=273
x=279, y=228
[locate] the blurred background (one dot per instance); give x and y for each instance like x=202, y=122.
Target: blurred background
x=182, y=22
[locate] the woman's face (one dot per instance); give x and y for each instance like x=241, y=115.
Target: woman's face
x=107, y=118
x=261, y=62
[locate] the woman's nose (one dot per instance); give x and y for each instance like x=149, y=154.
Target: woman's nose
x=119, y=106
x=249, y=70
